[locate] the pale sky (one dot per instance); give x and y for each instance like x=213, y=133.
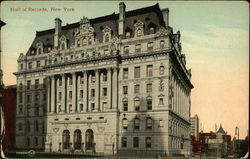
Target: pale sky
x=214, y=37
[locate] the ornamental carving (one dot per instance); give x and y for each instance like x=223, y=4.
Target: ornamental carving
x=106, y=34
x=163, y=32
x=139, y=28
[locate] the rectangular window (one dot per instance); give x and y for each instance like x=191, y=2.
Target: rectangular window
x=38, y=64
x=149, y=70
x=125, y=105
x=20, y=97
x=60, y=96
x=105, y=105
x=125, y=73
x=60, y=82
x=37, y=111
x=138, y=48
x=70, y=81
x=44, y=83
x=81, y=80
x=36, y=83
x=21, y=66
x=70, y=94
x=149, y=87
x=161, y=101
x=124, y=142
x=126, y=50
x=92, y=92
x=136, y=142
x=81, y=107
x=28, y=84
x=81, y=93
x=105, y=77
x=137, y=88
x=148, y=142
x=125, y=90
x=137, y=72
x=28, y=98
x=150, y=46
x=70, y=107
x=37, y=97
x=104, y=92
x=93, y=79
x=20, y=109
x=149, y=104
x=30, y=65
x=92, y=106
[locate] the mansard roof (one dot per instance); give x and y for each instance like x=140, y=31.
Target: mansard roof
x=147, y=15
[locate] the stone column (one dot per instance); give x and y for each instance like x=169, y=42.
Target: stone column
x=85, y=91
x=63, y=106
x=109, y=95
x=74, y=91
x=53, y=94
x=97, y=92
x=175, y=94
x=48, y=95
x=114, y=88
x=89, y=90
x=101, y=91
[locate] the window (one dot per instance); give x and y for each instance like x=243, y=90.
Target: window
x=20, y=86
x=149, y=103
x=128, y=34
x=30, y=65
x=138, y=48
x=70, y=107
x=161, y=70
x=60, y=96
x=150, y=46
x=36, y=83
x=28, y=84
x=20, y=109
x=92, y=92
x=92, y=106
x=93, y=79
x=66, y=139
x=77, y=139
x=70, y=94
x=149, y=87
x=125, y=104
x=28, y=126
x=36, y=125
x=151, y=30
x=81, y=80
x=135, y=142
x=28, y=110
x=148, y=142
x=21, y=66
x=63, y=46
x=139, y=33
x=125, y=90
x=107, y=38
x=137, y=124
x=39, y=50
x=149, y=123
x=81, y=93
x=81, y=107
x=162, y=44
x=160, y=123
x=105, y=77
x=160, y=101
x=38, y=64
x=70, y=81
x=20, y=97
x=137, y=104
x=28, y=141
x=149, y=70
x=125, y=73
x=20, y=126
x=126, y=50
x=36, y=141
x=137, y=88
x=137, y=72
x=37, y=97
x=44, y=83
x=105, y=105
x=125, y=123
x=104, y=92
x=28, y=98
x=124, y=142
x=36, y=111
x=84, y=41
x=59, y=108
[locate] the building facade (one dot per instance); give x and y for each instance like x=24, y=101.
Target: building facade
x=195, y=126
x=112, y=84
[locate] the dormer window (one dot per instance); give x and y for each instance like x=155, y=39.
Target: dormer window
x=63, y=46
x=128, y=34
x=106, y=38
x=139, y=33
x=162, y=44
x=39, y=50
x=106, y=34
x=84, y=41
x=151, y=30
x=139, y=28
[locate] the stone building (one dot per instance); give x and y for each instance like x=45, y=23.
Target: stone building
x=195, y=127
x=112, y=84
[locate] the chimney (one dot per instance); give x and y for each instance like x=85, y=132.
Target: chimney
x=165, y=13
x=58, y=26
x=122, y=10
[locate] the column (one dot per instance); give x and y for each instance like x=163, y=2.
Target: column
x=101, y=90
x=63, y=107
x=89, y=90
x=74, y=91
x=53, y=93
x=109, y=97
x=97, y=94
x=48, y=95
x=114, y=88
x=85, y=91
x=78, y=92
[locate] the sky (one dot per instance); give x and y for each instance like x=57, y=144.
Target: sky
x=214, y=37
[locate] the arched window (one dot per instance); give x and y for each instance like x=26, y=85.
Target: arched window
x=149, y=103
x=66, y=139
x=149, y=123
x=162, y=44
x=125, y=104
x=137, y=104
x=137, y=123
x=125, y=123
x=77, y=139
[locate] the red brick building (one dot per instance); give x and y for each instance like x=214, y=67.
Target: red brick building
x=8, y=103
x=212, y=143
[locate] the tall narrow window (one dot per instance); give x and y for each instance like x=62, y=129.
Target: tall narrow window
x=125, y=104
x=149, y=103
x=135, y=142
x=138, y=48
x=124, y=142
x=149, y=123
x=70, y=94
x=92, y=92
x=38, y=64
x=28, y=84
x=81, y=93
x=149, y=70
x=20, y=126
x=137, y=72
x=126, y=50
x=104, y=92
x=137, y=88
x=125, y=90
x=125, y=123
x=28, y=141
x=137, y=104
x=162, y=44
x=148, y=142
x=125, y=73
x=20, y=97
x=36, y=83
x=149, y=87
x=137, y=124
x=150, y=46
x=92, y=106
x=105, y=105
x=30, y=65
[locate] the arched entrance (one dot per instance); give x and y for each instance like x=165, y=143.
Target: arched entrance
x=89, y=140
x=77, y=139
x=66, y=139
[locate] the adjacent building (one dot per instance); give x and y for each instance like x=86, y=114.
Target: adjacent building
x=112, y=84
x=195, y=126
